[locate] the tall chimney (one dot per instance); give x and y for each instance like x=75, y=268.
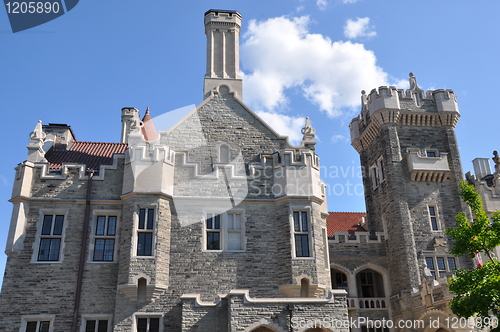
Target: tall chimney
x=222, y=28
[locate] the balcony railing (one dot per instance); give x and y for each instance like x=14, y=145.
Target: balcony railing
x=376, y=303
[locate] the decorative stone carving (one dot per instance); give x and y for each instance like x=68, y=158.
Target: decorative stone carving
x=308, y=131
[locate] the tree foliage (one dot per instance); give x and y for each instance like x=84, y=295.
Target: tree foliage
x=477, y=291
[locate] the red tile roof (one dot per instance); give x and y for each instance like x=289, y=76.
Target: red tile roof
x=344, y=222
x=91, y=154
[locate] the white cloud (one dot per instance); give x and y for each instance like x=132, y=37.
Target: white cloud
x=338, y=138
x=321, y=4
x=350, y=1
x=282, y=54
x=285, y=125
x=359, y=28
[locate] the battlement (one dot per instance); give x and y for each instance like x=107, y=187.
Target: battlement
x=223, y=17
x=413, y=107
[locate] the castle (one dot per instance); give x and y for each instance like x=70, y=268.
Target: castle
x=219, y=224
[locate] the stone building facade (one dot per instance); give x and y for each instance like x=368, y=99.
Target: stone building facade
x=219, y=224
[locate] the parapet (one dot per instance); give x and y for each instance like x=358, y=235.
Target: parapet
x=412, y=107
x=222, y=16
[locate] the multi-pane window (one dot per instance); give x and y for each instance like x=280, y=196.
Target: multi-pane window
x=37, y=326
x=145, y=229
x=439, y=265
x=148, y=324
x=50, y=238
x=234, y=231
x=104, y=238
x=377, y=172
x=340, y=281
x=100, y=325
x=366, y=279
x=301, y=233
x=433, y=218
x=213, y=227
x=224, y=231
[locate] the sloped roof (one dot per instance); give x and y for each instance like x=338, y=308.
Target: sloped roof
x=148, y=130
x=344, y=222
x=91, y=154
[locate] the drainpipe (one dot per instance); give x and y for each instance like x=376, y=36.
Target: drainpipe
x=83, y=251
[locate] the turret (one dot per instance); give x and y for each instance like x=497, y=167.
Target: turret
x=222, y=28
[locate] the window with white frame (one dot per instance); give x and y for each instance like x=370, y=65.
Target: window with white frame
x=380, y=169
x=50, y=238
x=234, y=231
x=37, y=323
x=433, y=217
x=145, y=231
x=301, y=233
x=377, y=172
x=373, y=174
x=37, y=326
x=104, y=238
x=440, y=265
x=224, y=231
x=149, y=324
x=431, y=153
x=213, y=231
x=96, y=325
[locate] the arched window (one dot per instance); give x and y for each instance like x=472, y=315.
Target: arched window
x=224, y=154
x=141, y=290
x=304, y=287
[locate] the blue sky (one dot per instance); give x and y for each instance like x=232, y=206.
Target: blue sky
x=314, y=57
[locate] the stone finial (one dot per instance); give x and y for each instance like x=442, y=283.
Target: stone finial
x=35, y=148
x=308, y=131
x=37, y=134
x=364, y=98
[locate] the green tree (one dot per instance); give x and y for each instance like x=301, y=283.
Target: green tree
x=477, y=291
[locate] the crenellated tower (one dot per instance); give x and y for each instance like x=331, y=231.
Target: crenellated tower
x=409, y=154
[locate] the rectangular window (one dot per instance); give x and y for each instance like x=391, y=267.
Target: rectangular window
x=437, y=265
x=100, y=325
x=451, y=263
x=104, y=238
x=301, y=233
x=234, y=231
x=50, y=238
x=213, y=226
x=373, y=172
x=380, y=167
x=433, y=218
x=38, y=326
x=148, y=324
x=224, y=231
x=431, y=154
x=145, y=231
